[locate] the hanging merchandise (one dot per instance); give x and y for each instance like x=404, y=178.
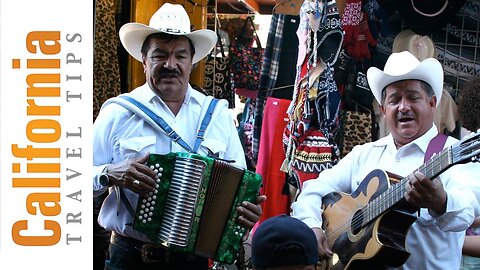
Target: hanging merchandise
x=427, y=17
x=320, y=30
x=314, y=110
x=357, y=129
x=313, y=154
x=217, y=79
x=377, y=19
x=357, y=32
x=246, y=61
x=245, y=131
x=357, y=90
x=315, y=149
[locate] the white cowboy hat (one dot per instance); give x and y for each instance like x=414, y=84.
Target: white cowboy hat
x=405, y=66
x=171, y=19
x=419, y=45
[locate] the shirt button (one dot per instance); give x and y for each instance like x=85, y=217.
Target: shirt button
x=398, y=160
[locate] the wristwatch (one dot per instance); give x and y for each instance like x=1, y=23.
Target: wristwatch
x=104, y=179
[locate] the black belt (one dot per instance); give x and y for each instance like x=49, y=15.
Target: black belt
x=149, y=252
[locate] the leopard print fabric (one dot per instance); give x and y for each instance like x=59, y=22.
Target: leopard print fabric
x=357, y=129
x=106, y=74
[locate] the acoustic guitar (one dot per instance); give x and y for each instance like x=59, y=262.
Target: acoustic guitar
x=367, y=228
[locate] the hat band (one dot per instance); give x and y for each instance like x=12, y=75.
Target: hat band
x=429, y=15
x=173, y=31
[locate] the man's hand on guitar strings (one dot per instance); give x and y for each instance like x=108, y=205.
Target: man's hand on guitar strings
x=425, y=193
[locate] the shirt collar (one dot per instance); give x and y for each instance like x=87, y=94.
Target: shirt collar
x=422, y=142
x=425, y=139
x=149, y=96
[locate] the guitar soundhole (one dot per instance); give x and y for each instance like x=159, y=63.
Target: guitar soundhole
x=357, y=221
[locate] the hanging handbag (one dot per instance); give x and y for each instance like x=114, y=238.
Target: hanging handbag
x=357, y=129
x=246, y=62
x=217, y=77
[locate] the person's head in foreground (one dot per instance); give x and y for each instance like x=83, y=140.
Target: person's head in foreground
x=284, y=243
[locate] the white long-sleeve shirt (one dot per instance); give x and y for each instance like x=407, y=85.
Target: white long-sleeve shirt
x=433, y=242
x=119, y=135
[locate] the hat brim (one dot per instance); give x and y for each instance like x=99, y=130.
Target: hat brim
x=429, y=71
x=132, y=36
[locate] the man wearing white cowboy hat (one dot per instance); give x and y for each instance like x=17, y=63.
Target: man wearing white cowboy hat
x=408, y=91
x=124, y=136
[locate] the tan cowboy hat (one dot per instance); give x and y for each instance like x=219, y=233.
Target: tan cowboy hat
x=171, y=19
x=420, y=46
x=405, y=66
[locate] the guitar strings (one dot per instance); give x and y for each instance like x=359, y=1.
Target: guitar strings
x=438, y=162
x=358, y=220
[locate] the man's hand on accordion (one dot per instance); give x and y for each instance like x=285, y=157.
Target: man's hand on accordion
x=250, y=213
x=133, y=174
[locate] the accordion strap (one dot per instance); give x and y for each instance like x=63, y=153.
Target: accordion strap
x=203, y=126
x=155, y=120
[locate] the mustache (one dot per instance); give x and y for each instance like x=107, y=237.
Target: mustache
x=165, y=72
x=401, y=115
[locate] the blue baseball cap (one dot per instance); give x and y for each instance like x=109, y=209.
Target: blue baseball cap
x=284, y=241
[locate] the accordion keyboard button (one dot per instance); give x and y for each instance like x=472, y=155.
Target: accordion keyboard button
x=152, y=167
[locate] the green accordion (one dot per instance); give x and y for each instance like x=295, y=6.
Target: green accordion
x=193, y=208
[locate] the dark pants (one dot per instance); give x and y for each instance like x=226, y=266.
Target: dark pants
x=101, y=237
x=124, y=254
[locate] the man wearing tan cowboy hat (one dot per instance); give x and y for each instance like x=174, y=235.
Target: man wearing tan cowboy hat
x=408, y=91
x=124, y=136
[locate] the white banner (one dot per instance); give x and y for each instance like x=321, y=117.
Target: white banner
x=46, y=86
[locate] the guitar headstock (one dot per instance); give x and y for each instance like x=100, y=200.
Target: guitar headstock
x=467, y=150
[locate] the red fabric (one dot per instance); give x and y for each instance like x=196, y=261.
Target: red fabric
x=271, y=156
x=362, y=39
x=313, y=155
x=357, y=37
x=352, y=16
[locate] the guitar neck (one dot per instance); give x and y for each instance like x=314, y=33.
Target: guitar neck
x=394, y=195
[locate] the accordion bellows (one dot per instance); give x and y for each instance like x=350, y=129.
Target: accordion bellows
x=193, y=209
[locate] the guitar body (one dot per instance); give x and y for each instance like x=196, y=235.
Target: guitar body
x=374, y=245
